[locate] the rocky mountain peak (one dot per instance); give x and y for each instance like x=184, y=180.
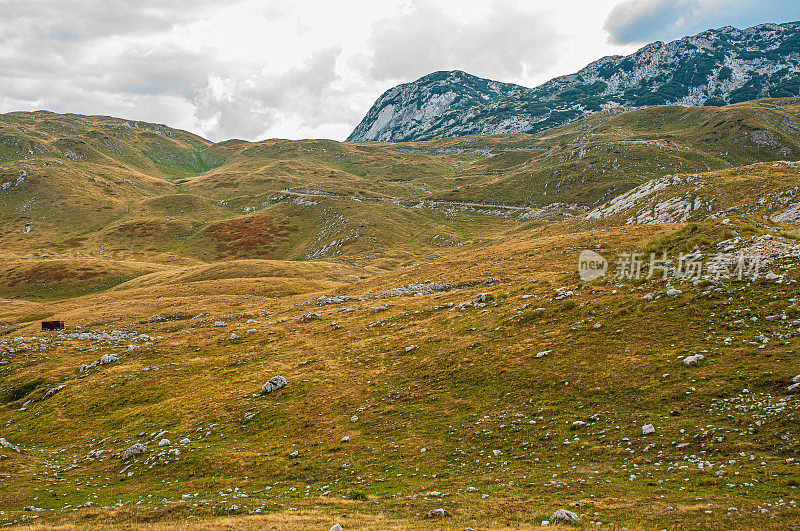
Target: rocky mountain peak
x=715, y=67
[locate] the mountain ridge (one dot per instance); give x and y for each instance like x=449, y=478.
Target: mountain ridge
x=715, y=67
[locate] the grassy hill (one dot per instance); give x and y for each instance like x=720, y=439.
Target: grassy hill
x=106, y=188
x=401, y=398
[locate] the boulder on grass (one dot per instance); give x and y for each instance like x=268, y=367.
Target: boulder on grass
x=274, y=383
x=562, y=515
x=136, y=449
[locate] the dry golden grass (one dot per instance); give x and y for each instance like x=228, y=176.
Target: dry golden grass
x=471, y=385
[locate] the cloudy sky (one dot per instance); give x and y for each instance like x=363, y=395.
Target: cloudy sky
x=255, y=69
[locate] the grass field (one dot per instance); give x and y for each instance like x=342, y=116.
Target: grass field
x=401, y=398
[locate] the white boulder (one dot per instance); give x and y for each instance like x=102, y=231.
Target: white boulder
x=562, y=515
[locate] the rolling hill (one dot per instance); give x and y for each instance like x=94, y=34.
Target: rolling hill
x=423, y=303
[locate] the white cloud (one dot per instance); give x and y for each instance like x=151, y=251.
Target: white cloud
x=251, y=107
x=505, y=41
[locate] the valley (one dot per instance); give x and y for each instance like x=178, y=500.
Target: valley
x=445, y=365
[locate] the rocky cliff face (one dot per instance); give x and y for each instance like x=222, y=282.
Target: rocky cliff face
x=715, y=67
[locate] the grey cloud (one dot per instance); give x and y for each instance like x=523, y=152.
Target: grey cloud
x=111, y=58
x=506, y=43
x=640, y=21
x=159, y=71
x=66, y=21
x=230, y=106
x=65, y=43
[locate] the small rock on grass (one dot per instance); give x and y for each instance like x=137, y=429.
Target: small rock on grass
x=53, y=390
x=274, y=383
x=436, y=513
x=562, y=515
x=136, y=449
x=5, y=444
x=647, y=429
x=105, y=359
x=483, y=297
x=691, y=361
x=336, y=527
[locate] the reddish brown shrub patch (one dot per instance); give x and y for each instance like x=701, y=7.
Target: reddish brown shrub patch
x=242, y=236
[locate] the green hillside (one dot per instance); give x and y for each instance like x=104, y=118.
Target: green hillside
x=423, y=303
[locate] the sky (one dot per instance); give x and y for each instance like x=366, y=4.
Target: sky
x=257, y=69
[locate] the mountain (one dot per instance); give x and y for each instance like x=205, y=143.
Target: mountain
x=715, y=67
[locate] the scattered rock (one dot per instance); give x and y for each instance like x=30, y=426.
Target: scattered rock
x=336, y=299
x=294, y=454
x=482, y=298
x=411, y=347
x=136, y=449
x=164, y=442
x=354, y=418
x=105, y=359
x=691, y=361
x=562, y=515
x=673, y=292
x=5, y=444
x=185, y=440
x=53, y=390
x=543, y=353
x=346, y=438
x=647, y=429
x=336, y=527
x=274, y=383
x=379, y=308
x=436, y=513
x=794, y=387
x=578, y=424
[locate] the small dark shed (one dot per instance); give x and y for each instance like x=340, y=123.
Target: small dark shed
x=52, y=325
